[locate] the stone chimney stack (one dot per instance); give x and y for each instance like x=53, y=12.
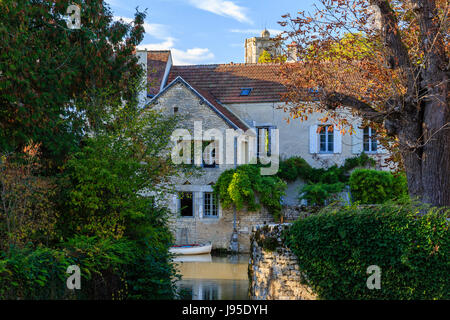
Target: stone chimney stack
x=142, y=60
x=292, y=52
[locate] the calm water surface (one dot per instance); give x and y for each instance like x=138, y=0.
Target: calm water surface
x=207, y=277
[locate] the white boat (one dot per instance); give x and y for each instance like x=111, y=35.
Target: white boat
x=191, y=249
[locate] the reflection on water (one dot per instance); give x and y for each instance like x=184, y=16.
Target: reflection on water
x=206, y=277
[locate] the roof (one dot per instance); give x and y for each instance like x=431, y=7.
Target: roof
x=156, y=67
x=223, y=112
x=225, y=81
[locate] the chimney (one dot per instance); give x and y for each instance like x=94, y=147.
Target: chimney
x=142, y=60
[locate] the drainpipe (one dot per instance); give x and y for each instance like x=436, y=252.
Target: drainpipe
x=234, y=243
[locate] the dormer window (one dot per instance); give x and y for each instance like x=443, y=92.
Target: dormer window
x=246, y=91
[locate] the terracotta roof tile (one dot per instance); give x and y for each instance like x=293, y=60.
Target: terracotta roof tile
x=156, y=66
x=225, y=81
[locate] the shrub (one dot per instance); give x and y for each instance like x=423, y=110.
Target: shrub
x=335, y=247
x=243, y=185
x=372, y=186
x=321, y=184
x=317, y=194
x=293, y=168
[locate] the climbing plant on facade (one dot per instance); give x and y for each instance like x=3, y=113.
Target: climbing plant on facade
x=246, y=187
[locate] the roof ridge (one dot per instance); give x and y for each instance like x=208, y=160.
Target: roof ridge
x=227, y=64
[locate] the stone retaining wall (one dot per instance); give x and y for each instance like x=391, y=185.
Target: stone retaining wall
x=273, y=270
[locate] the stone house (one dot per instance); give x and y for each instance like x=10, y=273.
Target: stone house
x=242, y=98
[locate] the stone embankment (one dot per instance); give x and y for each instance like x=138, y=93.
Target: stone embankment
x=273, y=270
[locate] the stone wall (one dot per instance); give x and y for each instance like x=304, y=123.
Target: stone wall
x=273, y=270
x=218, y=230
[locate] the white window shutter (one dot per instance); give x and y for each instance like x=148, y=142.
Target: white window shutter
x=313, y=139
x=176, y=202
x=357, y=141
x=337, y=137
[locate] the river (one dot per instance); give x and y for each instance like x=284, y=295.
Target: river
x=207, y=277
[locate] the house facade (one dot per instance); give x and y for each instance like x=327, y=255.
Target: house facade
x=241, y=104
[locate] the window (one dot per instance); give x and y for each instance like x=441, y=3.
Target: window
x=186, y=204
x=175, y=109
x=369, y=140
x=326, y=139
x=246, y=91
x=210, y=292
x=209, y=161
x=210, y=205
x=264, y=141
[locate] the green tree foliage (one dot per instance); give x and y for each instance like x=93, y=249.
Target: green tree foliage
x=50, y=75
x=372, y=186
x=109, y=223
x=113, y=184
x=351, y=46
x=242, y=186
x=265, y=57
x=335, y=247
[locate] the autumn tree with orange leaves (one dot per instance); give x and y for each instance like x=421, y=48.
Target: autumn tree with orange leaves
x=386, y=61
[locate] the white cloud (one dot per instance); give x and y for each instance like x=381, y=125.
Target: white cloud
x=167, y=44
x=192, y=56
x=159, y=31
x=273, y=32
x=223, y=8
x=181, y=57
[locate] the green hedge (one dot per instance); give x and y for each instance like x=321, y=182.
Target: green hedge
x=373, y=186
x=336, y=246
x=110, y=269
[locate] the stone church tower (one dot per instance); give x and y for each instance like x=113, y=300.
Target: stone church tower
x=256, y=45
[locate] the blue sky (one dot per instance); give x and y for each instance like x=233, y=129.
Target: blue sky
x=206, y=31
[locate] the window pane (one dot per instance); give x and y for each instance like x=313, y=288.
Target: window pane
x=186, y=204
x=374, y=145
x=210, y=204
x=330, y=141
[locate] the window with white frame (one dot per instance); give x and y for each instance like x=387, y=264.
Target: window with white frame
x=369, y=140
x=326, y=139
x=210, y=205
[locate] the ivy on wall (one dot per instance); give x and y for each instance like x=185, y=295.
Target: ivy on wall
x=243, y=186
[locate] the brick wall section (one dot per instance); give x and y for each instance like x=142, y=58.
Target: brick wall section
x=273, y=270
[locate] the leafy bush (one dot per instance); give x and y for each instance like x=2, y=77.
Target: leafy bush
x=243, y=185
x=321, y=184
x=33, y=273
x=293, y=168
x=317, y=194
x=335, y=247
x=372, y=186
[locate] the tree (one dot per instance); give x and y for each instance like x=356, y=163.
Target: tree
x=27, y=210
x=265, y=57
x=50, y=74
x=399, y=86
